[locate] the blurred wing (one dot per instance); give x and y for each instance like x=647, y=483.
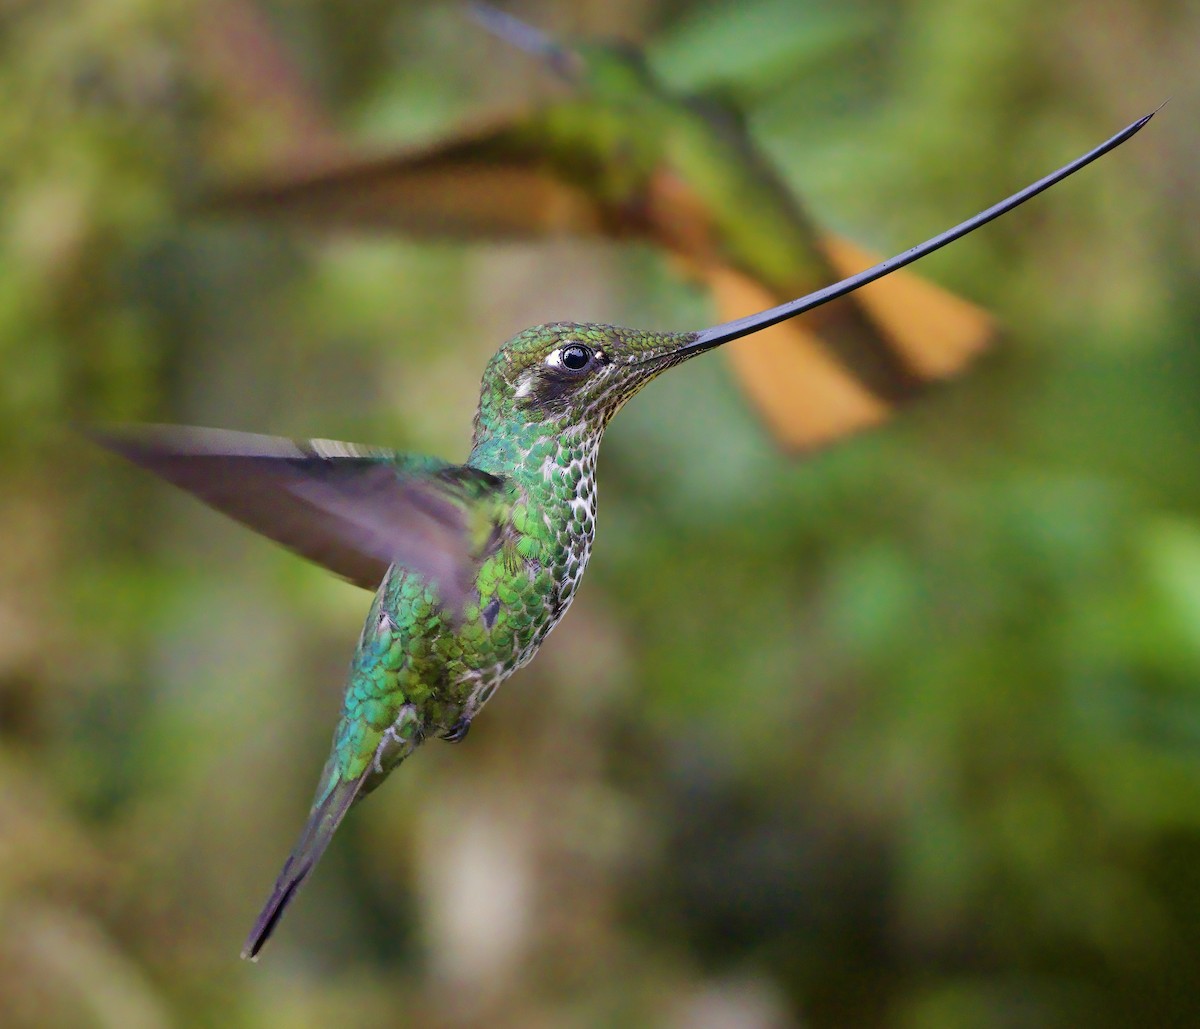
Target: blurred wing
x=488, y=182
x=354, y=510
x=810, y=391
x=936, y=332
x=804, y=394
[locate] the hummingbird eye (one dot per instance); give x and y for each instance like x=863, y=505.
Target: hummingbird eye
x=563, y=372
x=575, y=357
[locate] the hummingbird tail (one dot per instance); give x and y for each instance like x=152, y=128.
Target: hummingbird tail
x=326, y=816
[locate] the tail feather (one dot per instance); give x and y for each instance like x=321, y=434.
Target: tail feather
x=327, y=814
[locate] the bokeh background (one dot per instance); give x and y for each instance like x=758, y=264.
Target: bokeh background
x=906, y=734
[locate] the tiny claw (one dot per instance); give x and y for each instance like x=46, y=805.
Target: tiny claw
x=458, y=732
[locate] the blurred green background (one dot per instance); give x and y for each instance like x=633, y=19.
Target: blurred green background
x=904, y=735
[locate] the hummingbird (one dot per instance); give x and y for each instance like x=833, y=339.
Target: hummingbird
x=622, y=156
x=473, y=564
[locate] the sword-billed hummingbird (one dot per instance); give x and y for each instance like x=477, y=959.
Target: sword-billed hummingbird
x=472, y=564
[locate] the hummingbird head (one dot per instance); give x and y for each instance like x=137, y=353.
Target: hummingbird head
x=572, y=374
x=615, y=69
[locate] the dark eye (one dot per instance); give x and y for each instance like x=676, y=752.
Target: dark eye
x=576, y=357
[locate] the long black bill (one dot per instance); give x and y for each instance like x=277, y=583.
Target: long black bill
x=728, y=331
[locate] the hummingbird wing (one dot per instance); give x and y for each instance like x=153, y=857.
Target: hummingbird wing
x=809, y=392
x=352, y=509
x=492, y=180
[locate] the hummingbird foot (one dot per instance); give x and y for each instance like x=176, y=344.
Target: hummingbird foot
x=458, y=731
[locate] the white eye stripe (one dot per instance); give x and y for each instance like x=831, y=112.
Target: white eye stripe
x=525, y=383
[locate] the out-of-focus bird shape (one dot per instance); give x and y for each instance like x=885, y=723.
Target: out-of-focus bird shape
x=623, y=157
